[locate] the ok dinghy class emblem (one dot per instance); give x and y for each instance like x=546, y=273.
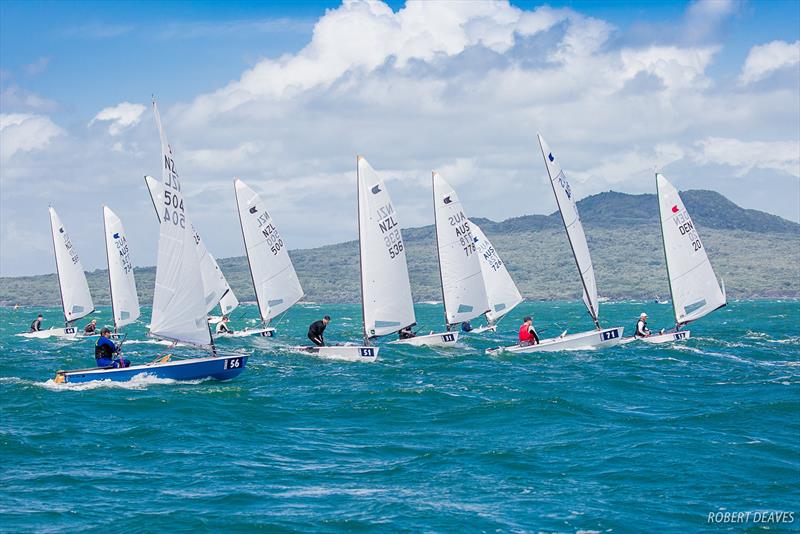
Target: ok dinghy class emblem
x=376, y=189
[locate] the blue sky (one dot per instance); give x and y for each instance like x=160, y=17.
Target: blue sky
x=707, y=90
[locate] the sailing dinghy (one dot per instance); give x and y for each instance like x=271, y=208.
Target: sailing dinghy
x=601, y=337
x=275, y=281
x=216, y=289
x=463, y=286
x=76, y=301
x=385, y=286
x=693, y=285
x=501, y=291
x=179, y=307
x=122, y=285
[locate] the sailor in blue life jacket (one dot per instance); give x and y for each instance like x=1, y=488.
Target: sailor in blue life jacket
x=466, y=326
x=104, y=351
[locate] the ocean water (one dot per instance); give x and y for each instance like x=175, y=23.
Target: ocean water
x=635, y=438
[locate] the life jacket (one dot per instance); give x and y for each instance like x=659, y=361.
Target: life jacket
x=524, y=333
x=636, y=328
x=105, y=350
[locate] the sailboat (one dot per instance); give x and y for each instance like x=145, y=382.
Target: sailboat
x=693, y=285
x=275, y=281
x=501, y=291
x=76, y=301
x=217, y=291
x=179, y=307
x=463, y=286
x=121, y=282
x=600, y=337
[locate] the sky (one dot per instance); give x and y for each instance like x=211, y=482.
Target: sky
x=285, y=95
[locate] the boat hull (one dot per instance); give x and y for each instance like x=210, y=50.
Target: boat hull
x=669, y=337
x=443, y=339
x=593, y=339
x=263, y=332
x=69, y=332
x=482, y=329
x=347, y=353
x=218, y=368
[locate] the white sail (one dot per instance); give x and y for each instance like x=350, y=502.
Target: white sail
x=385, y=287
x=214, y=283
x=693, y=284
x=572, y=223
x=75, y=296
x=274, y=278
x=463, y=289
x=124, y=299
x=500, y=288
x=228, y=302
x=179, y=309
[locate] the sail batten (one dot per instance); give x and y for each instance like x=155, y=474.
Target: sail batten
x=385, y=288
x=576, y=236
x=275, y=281
x=463, y=287
x=76, y=300
x=692, y=282
x=501, y=291
x=124, y=298
x=179, y=307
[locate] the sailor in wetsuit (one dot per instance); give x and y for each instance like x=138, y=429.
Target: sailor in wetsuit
x=406, y=333
x=527, y=334
x=641, y=327
x=222, y=326
x=90, y=328
x=36, y=325
x=466, y=326
x=104, y=351
x=316, y=330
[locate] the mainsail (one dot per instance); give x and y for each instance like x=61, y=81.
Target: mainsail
x=463, y=289
x=692, y=282
x=124, y=299
x=75, y=297
x=214, y=283
x=179, y=309
x=500, y=288
x=385, y=287
x=274, y=278
x=572, y=223
x=228, y=302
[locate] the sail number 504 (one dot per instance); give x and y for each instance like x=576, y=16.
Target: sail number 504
x=173, y=209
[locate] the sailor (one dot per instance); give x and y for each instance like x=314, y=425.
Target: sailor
x=406, y=333
x=90, y=328
x=316, y=329
x=222, y=326
x=105, y=349
x=466, y=327
x=641, y=327
x=527, y=334
x=36, y=325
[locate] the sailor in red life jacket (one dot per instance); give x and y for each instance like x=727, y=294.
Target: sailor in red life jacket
x=527, y=334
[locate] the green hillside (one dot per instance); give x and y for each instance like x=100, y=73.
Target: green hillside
x=757, y=254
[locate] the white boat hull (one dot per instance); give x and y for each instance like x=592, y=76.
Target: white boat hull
x=263, y=332
x=658, y=339
x=69, y=332
x=584, y=340
x=347, y=353
x=444, y=339
x=482, y=329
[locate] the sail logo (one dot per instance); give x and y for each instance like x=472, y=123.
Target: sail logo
x=376, y=189
x=550, y=157
x=61, y=230
x=675, y=209
x=253, y=209
x=116, y=235
x=447, y=199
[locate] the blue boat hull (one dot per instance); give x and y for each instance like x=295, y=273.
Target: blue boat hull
x=218, y=368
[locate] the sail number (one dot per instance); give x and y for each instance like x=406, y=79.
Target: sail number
x=461, y=224
x=270, y=233
x=685, y=227
x=448, y=338
x=232, y=363
x=611, y=334
x=173, y=201
x=390, y=229
x=367, y=351
x=69, y=330
x=680, y=335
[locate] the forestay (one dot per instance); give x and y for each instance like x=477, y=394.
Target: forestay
x=693, y=284
x=463, y=289
x=501, y=290
x=124, y=299
x=75, y=297
x=214, y=283
x=179, y=310
x=572, y=223
x=385, y=287
x=274, y=278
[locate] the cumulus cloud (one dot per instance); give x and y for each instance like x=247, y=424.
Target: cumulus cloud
x=16, y=98
x=704, y=17
x=121, y=116
x=37, y=67
x=763, y=60
x=23, y=132
x=782, y=156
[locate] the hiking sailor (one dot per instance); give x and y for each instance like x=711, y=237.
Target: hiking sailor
x=90, y=328
x=105, y=349
x=222, y=326
x=406, y=333
x=36, y=325
x=316, y=329
x=527, y=334
x=641, y=327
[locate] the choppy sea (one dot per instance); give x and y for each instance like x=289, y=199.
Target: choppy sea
x=636, y=438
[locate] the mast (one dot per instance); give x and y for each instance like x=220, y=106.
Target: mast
x=360, y=253
x=58, y=269
x=438, y=254
x=666, y=260
x=247, y=254
x=108, y=262
x=569, y=239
